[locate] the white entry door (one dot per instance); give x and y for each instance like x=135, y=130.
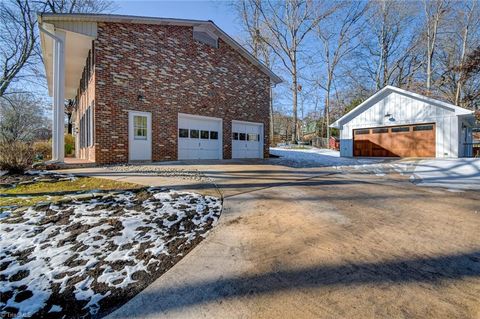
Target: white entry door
x=247, y=140
x=199, y=137
x=140, y=136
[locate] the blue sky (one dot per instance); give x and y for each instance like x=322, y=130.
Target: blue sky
x=218, y=11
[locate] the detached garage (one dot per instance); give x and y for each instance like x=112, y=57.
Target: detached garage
x=397, y=123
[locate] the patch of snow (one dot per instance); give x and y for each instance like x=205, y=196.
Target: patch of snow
x=55, y=308
x=316, y=157
x=111, y=230
x=4, y=214
x=454, y=174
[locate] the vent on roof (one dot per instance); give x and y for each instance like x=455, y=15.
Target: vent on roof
x=205, y=38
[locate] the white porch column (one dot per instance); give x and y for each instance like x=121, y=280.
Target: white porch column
x=58, y=149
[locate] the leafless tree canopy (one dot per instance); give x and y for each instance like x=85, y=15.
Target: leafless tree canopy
x=20, y=60
x=75, y=6
x=340, y=52
x=18, y=41
x=21, y=118
x=331, y=54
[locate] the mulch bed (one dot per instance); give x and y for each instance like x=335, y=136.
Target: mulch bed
x=83, y=259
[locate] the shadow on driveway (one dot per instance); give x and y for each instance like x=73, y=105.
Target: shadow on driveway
x=430, y=270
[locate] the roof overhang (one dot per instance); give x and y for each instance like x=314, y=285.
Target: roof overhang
x=459, y=111
x=81, y=29
x=77, y=43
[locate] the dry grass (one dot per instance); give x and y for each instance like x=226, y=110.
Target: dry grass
x=24, y=195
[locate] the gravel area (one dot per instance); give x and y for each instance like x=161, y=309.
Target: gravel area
x=190, y=174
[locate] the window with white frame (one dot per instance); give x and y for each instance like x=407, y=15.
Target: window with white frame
x=140, y=127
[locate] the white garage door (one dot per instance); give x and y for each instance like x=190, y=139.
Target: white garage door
x=247, y=140
x=199, y=137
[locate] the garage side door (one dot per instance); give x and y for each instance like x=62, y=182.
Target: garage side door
x=247, y=140
x=402, y=141
x=199, y=137
x=139, y=136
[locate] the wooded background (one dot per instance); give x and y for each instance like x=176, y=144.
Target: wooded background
x=332, y=55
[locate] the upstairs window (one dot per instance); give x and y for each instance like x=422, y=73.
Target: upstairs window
x=205, y=35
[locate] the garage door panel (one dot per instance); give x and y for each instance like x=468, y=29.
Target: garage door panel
x=199, y=137
x=247, y=141
x=397, y=141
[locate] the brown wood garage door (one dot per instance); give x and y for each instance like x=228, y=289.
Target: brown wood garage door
x=402, y=141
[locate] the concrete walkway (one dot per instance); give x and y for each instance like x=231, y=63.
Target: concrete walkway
x=313, y=243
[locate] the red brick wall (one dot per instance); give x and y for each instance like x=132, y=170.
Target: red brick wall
x=175, y=74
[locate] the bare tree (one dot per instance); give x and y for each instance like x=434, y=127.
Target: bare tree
x=471, y=20
x=18, y=40
x=387, y=43
x=435, y=12
x=75, y=6
x=453, y=81
x=19, y=45
x=288, y=23
x=21, y=117
x=338, y=36
x=249, y=13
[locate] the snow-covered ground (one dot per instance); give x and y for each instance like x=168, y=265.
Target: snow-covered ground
x=454, y=174
x=461, y=173
x=69, y=258
x=313, y=157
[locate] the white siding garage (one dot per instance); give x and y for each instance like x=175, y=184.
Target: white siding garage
x=381, y=122
x=247, y=140
x=199, y=137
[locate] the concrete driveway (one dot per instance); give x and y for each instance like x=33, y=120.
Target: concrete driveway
x=317, y=243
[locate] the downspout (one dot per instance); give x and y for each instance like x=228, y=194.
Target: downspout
x=58, y=98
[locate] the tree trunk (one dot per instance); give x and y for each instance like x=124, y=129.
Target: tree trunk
x=295, y=95
x=327, y=107
x=458, y=93
x=271, y=117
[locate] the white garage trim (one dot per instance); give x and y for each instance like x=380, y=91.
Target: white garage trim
x=139, y=136
x=198, y=148
x=236, y=153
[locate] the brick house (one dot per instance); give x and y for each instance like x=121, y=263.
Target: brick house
x=154, y=89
